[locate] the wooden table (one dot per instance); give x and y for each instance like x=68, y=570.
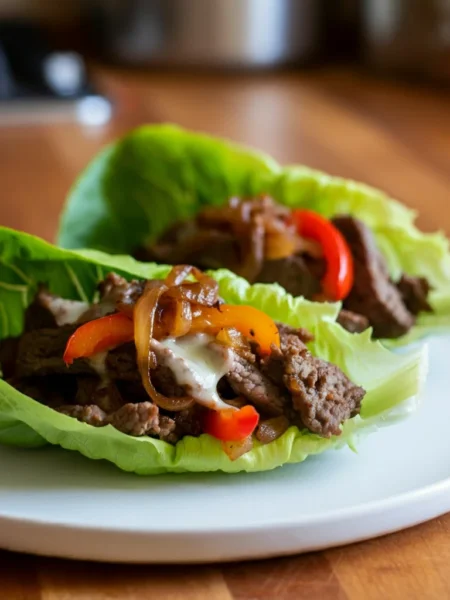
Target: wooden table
x=394, y=137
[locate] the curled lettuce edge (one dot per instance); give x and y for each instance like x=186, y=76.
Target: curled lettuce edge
x=136, y=187
x=393, y=381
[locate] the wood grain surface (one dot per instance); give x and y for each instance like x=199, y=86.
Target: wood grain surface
x=393, y=136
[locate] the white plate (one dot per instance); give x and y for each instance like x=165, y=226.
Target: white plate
x=59, y=503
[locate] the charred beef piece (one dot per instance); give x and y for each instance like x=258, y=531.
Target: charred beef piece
x=373, y=294
x=414, y=291
x=293, y=273
x=352, y=322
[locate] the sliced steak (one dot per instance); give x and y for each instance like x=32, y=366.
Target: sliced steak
x=121, y=363
x=52, y=391
x=137, y=419
x=415, y=291
x=247, y=380
x=189, y=421
x=119, y=292
x=293, y=274
x=204, y=248
x=93, y=390
x=322, y=395
x=353, y=322
x=373, y=294
x=303, y=334
x=41, y=353
x=38, y=314
x=9, y=348
x=92, y=415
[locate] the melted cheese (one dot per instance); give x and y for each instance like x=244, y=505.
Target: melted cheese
x=198, y=365
x=66, y=312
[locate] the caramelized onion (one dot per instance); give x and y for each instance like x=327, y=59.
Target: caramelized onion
x=271, y=429
x=204, y=291
x=144, y=318
x=234, y=450
x=174, y=318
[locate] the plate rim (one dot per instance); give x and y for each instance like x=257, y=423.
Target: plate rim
x=361, y=511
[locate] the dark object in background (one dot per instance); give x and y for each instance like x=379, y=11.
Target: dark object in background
x=37, y=81
x=407, y=36
x=207, y=33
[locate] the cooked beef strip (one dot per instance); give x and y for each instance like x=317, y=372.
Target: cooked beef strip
x=38, y=314
x=119, y=292
x=206, y=249
x=52, y=390
x=90, y=414
x=292, y=273
x=248, y=381
x=41, y=353
x=373, y=294
x=121, y=363
x=352, y=322
x=189, y=421
x=93, y=390
x=291, y=382
x=303, y=334
x=132, y=419
x=414, y=291
x=137, y=419
x=321, y=393
x=9, y=348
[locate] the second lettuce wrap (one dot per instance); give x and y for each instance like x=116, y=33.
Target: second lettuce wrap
x=156, y=175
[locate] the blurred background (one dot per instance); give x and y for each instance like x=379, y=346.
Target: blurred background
x=359, y=88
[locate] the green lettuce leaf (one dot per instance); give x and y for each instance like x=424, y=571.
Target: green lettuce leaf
x=156, y=175
x=391, y=380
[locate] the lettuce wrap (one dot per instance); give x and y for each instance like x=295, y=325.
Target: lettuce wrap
x=391, y=380
x=156, y=175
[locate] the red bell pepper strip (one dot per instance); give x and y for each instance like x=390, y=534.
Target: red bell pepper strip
x=251, y=322
x=338, y=279
x=231, y=425
x=99, y=335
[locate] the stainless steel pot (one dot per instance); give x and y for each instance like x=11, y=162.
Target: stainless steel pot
x=228, y=33
x=408, y=36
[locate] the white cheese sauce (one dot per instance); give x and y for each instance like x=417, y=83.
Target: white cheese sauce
x=66, y=312
x=197, y=364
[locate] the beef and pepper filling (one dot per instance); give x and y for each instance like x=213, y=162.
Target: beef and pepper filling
x=303, y=252
x=167, y=358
